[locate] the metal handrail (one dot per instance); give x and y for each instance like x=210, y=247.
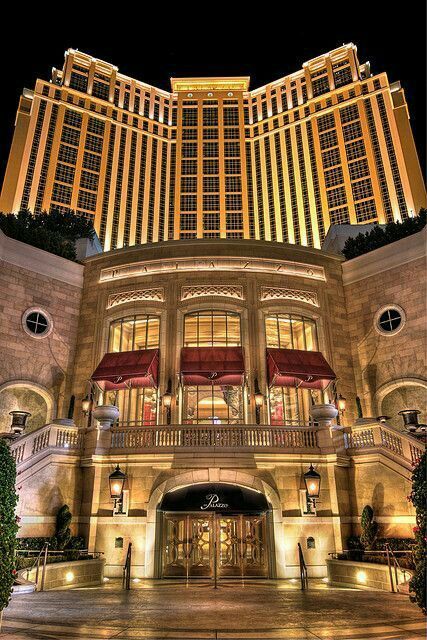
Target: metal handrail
x=302, y=569
x=127, y=568
x=43, y=552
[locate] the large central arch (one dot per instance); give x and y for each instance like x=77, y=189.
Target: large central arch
x=213, y=475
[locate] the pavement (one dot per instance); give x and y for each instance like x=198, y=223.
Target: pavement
x=253, y=610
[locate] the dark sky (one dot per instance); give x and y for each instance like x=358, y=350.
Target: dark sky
x=263, y=40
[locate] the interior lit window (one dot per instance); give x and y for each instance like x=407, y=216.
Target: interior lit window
x=137, y=407
x=134, y=332
x=212, y=329
x=290, y=405
x=289, y=331
x=212, y=404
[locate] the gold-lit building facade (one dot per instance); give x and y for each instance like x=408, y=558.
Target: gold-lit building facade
x=329, y=144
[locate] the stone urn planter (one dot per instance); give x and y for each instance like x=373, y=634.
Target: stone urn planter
x=106, y=415
x=19, y=421
x=323, y=414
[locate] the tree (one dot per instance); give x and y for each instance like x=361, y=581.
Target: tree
x=418, y=497
x=369, y=527
x=63, y=533
x=380, y=236
x=8, y=523
x=55, y=232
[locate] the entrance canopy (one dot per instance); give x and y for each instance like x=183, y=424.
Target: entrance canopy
x=297, y=368
x=212, y=365
x=219, y=498
x=128, y=369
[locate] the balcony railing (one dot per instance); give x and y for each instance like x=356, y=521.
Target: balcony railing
x=51, y=436
x=240, y=437
x=381, y=436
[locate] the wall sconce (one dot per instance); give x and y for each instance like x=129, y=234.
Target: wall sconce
x=341, y=404
x=167, y=401
x=259, y=401
x=87, y=404
x=312, y=486
x=117, y=480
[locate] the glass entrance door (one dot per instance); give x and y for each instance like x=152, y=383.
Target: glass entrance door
x=190, y=543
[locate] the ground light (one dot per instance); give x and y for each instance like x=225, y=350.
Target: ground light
x=69, y=576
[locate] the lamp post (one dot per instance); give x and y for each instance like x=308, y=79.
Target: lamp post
x=312, y=486
x=117, y=480
x=259, y=401
x=167, y=401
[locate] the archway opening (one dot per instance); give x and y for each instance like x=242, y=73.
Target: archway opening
x=22, y=398
x=404, y=397
x=215, y=529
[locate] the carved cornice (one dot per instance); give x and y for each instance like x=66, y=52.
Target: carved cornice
x=280, y=293
x=199, y=291
x=157, y=294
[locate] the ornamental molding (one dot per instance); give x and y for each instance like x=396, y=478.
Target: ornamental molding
x=199, y=291
x=235, y=265
x=157, y=294
x=279, y=293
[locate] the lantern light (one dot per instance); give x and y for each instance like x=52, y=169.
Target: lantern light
x=117, y=481
x=312, y=483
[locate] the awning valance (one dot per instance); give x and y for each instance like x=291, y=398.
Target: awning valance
x=212, y=365
x=128, y=369
x=295, y=368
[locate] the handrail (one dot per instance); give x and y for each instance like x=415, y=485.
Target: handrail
x=43, y=552
x=396, y=566
x=302, y=569
x=127, y=568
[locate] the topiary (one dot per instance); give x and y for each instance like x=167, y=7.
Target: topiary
x=8, y=523
x=369, y=527
x=418, y=497
x=63, y=532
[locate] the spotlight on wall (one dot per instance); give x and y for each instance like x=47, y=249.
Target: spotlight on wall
x=69, y=576
x=361, y=577
x=117, y=480
x=312, y=486
x=259, y=401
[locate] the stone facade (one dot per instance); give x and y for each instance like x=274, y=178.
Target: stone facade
x=361, y=463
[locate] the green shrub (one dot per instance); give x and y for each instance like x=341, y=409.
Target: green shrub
x=369, y=527
x=379, y=237
x=418, y=498
x=8, y=523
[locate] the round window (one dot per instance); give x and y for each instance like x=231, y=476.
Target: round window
x=37, y=323
x=389, y=320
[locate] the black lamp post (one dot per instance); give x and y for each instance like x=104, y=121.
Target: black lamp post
x=117, y=480
x=312, y=486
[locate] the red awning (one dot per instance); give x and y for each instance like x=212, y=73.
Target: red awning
x=212, y=365
x=127, y=369
x=295, y=368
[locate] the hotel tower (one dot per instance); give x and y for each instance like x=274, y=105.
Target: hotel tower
x=328, y=144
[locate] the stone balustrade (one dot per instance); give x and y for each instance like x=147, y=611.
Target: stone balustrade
x=378, y=435
x=233, y=437
x=51, y=436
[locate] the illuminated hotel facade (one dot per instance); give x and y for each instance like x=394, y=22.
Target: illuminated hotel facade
x=329, y=144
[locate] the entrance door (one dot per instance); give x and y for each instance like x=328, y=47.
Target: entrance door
x=190, y=541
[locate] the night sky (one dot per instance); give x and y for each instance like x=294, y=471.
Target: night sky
x=265, y=41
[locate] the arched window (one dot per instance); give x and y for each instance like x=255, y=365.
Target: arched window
x=134, y=332
x=212, y=329
x=212, y=403
x=290, y=405
x=137, y=406
x=290, y=331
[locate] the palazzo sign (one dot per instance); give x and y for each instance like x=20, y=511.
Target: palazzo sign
x=213, y=502
x=214, y=497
